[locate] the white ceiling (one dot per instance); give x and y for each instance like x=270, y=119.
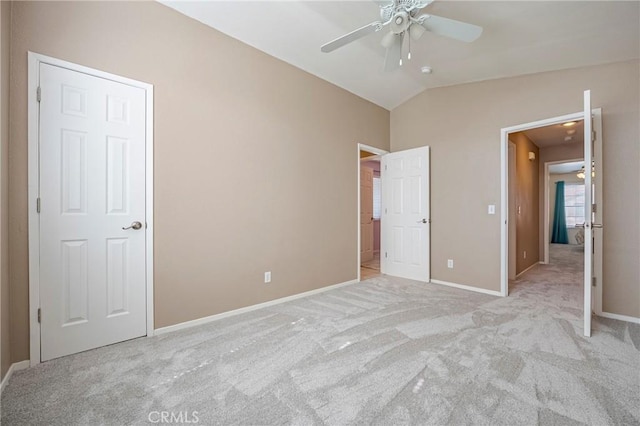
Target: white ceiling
x=555, y=135
x=562, y=168
x=520, y=37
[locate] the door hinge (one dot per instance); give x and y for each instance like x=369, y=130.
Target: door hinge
x=594, y=207
x=38, y=94
x=38, y=205
x=593, y=136
x=593, y=281
x=39, y=315
x=386, y=254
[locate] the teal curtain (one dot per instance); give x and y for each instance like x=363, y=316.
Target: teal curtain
x=559, y=231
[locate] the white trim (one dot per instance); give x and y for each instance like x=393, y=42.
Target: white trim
x=34, y=61
x=619, y=317
x=597, y=261
x=467, y=287
x=206, y=320
x=149, y=208
x=34, y=223
x=547, y=206
x=530, y=267
x=16, y=366
x=378, y=154
x=504, y=194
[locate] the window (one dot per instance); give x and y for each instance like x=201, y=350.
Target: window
x=574, y=204
x=376, y=198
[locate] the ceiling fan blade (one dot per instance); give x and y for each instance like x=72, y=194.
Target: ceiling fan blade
x=394, y=54
x=416, y=31
x=450, y=28
x=388, y=40
x=352, y=36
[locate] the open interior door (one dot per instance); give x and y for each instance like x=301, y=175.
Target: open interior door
x=406, y=218
x=592, y=215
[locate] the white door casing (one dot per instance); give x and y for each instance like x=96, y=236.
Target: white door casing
x=93, y=281
x=512, y=211
x=377, y=153
x=406, y=223
x=504, y=181
x=366, y=213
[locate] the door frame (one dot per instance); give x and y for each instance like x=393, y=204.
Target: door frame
x=547, y=205
x=504, y=182
x=377, y=153
x=33, y=116
x=511, y=198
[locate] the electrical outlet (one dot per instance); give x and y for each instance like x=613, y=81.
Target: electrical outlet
x=267, y=277
x=525, y=254
x=450, y=263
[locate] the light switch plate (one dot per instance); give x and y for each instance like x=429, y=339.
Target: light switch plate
x=492, y=209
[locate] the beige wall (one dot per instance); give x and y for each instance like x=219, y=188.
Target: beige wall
x=5, y=348
x=565, y=151
x=234, y=132
x=462, y=125
x=527, y=202
x=553, y=179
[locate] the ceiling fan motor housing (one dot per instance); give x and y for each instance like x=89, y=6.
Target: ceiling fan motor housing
x=400, y=22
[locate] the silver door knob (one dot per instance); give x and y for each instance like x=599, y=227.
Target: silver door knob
x=596, y=225
x=134, y=225
x=422, y=221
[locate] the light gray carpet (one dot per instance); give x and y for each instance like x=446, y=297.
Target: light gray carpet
x=386, y=351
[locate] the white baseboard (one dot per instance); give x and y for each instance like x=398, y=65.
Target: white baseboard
x=535, y=264
x=467, y=287
x=16, y=366
x=619, y=317
x=205, y=320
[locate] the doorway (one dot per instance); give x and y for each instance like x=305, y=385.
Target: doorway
x=405, y=213
x=592, y=149
x=90, y=208
x=369, y=211
x=569, y=206
x=539, y=160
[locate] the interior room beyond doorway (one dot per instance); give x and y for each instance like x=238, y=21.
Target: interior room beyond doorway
x=540, y=161
x=370, y=203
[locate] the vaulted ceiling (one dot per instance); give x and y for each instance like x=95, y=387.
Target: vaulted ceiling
x=519, y=37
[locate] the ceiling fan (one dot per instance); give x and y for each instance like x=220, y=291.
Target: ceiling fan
x=405, y=24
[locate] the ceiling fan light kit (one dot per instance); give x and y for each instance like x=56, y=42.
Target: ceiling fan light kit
x=401, y=16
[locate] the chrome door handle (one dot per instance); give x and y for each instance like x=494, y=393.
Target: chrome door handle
x=135, y=225
x=593, y=225
x=422, y=221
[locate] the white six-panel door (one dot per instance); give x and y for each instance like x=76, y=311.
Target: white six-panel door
x=366, y=214
x=406, y=217
x=92, y=185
